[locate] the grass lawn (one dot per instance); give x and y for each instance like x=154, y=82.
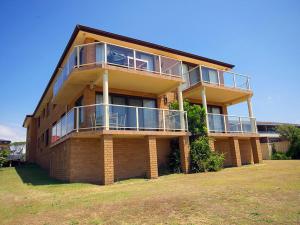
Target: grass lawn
x=258, y=194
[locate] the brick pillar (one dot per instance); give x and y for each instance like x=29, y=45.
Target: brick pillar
x=107, y=159
x=184, y=146
x=257, y=155
x=235, y=152
x=152, y=170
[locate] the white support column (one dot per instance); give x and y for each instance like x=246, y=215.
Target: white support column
x=105, y=99
x=180, y=102
x=250, y=107
x=203, y=94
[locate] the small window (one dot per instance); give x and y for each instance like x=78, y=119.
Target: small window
x=48, y=109
x=39, y=121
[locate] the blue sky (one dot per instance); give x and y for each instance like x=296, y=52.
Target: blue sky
x=260, y=37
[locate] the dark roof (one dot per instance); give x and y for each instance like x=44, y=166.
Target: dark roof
x=2, y=141
x=275, y=123
x=123, y=38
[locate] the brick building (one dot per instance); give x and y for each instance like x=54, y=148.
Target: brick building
x=104, y=114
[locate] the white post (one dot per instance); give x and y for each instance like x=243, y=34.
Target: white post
x=105, y=53
x=137, y=117
x=134, y=60
x=77, y=118
x=241, y=124
x=250, y=111
x=105, y=100
x=219, y=82
x=225, y=125
x=159, y=60
x=234, y=81
x=203, y=94
x=164, y=119
x=200, y=71
x=180, y=102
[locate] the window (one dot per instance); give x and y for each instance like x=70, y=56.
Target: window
x=79, y=102
x=191, y=73
x=44, y=113
x=39, y=121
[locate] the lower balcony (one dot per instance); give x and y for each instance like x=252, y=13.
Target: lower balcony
x=219, y=123
x=120, y=118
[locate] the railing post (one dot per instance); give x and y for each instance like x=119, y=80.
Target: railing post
x=219, y=81
x=159, y=61
x=78, y=56
x=234, y=81
x=186, y=122
x=164, y=120
x=241, y=125
x=200, y=72
x=105, y=53
x=134, y=59
x=225, y=126
x=248, y=83
x=137, y=118
x=77, y=119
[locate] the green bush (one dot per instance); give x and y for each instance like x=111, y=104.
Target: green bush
x=202, y=158
x=174, y=157
x=279, y=156
x=215, y=162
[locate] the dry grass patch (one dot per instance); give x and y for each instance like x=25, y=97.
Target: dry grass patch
x=259, y=194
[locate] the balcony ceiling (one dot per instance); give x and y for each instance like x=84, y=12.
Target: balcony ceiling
x=217, y=94
x=119, y=78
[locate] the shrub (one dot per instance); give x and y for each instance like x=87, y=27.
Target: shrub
x=215, y=162
x=200, y=152
x=174, y=157
x=279, y=156
x=292, y=134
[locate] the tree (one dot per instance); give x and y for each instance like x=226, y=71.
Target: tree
x=292, y=134
x=17, y=148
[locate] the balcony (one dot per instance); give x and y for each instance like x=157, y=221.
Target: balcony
x=129, y=69
x=219, y=123
x=221, y=86
x=120, y=118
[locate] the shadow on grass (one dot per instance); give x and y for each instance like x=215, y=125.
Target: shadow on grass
x=34, y=175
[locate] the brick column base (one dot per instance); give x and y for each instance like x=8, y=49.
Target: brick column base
x=235, y=152
x=256, y=149
x=152, y=170
x=184, y=146
x=107, y=159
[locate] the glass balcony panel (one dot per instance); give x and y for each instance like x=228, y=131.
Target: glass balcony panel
x=148, y=62
x=233, y=124
x=70, y=121
x=170, y=66
x=194, y=75
x=122, y=117
x=150, y=119
x=216, y=123
x=226, y=79
x=241, y=82
x=120, y=56
x=173, y=120
x=209, y=75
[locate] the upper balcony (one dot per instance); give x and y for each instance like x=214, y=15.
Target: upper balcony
x=221, y=86
x=129, y=69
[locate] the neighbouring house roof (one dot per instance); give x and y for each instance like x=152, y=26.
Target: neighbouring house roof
x=275, y=124
x=123, y=38
x=2, y=141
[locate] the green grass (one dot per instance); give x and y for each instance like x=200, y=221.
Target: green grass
x=259, y=194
